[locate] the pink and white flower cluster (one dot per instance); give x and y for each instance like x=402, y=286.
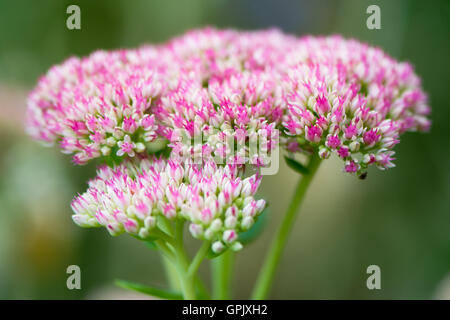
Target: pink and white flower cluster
x=352, y=100
x=99, y=105
x=134, y=195
x=217, y=93
x=228, y=98
x=228, y=101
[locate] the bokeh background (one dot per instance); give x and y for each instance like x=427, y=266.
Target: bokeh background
x=399, y=220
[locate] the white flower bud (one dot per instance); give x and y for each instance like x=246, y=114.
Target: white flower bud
x=111, y=141
x=105, y=150
x=143, y=233
x=248, y=200
x=113, y=228
x=222, y=200
x=246, y=188
x=260, y=205
x=217, y=247
x=209, y=234
x=216, y=225
x=231, y=211
x=236, y=246
x=229, y=236
x=196, y=230
x=140, y=147
x=230, y=222
x=118, y=133
x=150, y=222
x=354, y=146
x=249, y=209
x=247, y=222
x=92, y=222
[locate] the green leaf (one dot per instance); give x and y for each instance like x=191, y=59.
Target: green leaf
x=253, y=233
x=155, y=292
x=295, y=165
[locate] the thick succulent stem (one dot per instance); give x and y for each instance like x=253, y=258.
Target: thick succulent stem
x=187, y=281
x=222, y=270
x=267, y=273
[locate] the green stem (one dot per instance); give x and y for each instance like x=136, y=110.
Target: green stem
x=201, y=253
x=170, y=262
x=171, y=273
x=187, y=282
x=165, y=225
x=222, y=270
x=193, y=269
x=165, y=250
x=181, y=274
x=272, y=259
x=201, y=289
x=161, y=235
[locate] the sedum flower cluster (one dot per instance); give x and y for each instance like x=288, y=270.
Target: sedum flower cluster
x=132, y=196
x=218, y=102
x=352, y=100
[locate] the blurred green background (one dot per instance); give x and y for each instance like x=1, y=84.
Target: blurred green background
x=397, y=219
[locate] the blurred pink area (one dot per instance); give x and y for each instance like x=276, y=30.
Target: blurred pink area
x=12, y=105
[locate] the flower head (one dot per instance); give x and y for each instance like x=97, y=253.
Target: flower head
x=227, y=101
x=225, y=95
x=132, y=196
x=91, y=105
x=353, y=100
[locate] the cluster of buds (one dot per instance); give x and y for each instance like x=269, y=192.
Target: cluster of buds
x=391, y=88
x=227, y=103
x=99, y=105
x=132, y=196
x=351, y=100
x=231, y=121
x=226, y=98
